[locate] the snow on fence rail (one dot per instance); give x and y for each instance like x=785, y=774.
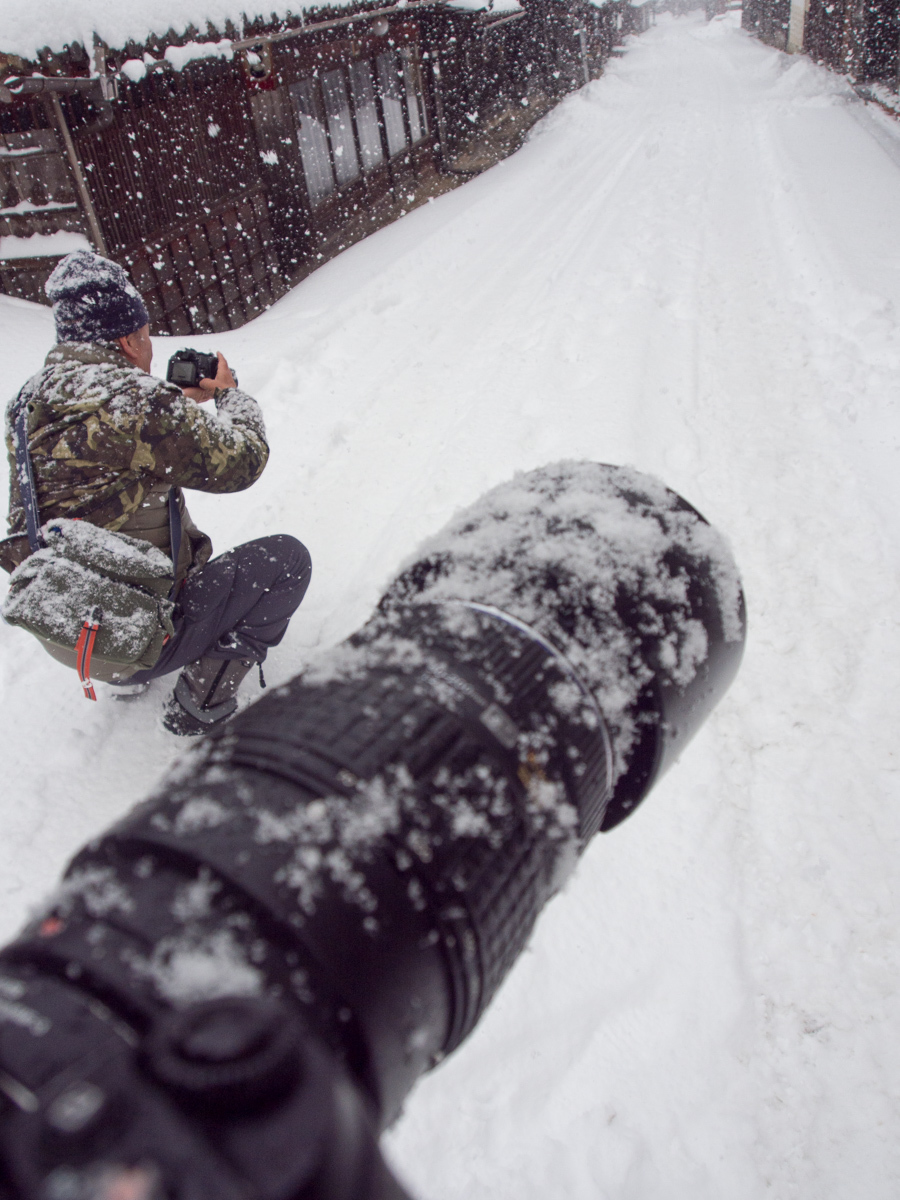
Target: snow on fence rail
x=222, y=170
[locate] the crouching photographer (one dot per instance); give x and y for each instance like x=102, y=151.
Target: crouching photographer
x=108, y=569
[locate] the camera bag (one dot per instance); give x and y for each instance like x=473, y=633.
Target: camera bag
x=88, y=589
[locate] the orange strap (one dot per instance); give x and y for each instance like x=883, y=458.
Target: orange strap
x=84, y=648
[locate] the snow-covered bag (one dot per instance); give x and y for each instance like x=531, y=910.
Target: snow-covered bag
x=85, y=573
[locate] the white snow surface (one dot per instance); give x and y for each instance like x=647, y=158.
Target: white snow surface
x=42, y=245
x=693, y=267
x=177, y=57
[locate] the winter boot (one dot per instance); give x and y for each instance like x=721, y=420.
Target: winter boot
x=204, y=695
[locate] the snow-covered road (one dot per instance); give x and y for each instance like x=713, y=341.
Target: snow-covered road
x=694, y=267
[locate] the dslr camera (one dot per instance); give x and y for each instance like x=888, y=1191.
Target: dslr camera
x=187, y=367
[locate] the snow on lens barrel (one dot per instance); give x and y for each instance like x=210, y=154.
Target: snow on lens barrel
x=639, y=593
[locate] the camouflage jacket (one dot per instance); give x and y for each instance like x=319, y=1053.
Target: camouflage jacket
x=106, y=438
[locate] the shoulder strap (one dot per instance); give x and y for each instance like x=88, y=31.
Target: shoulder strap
x=25, y=473
x=174, y=536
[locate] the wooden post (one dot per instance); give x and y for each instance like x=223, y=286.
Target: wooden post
x=853, y=38
x=81, y=186
x=582, y=41
x=797, y=26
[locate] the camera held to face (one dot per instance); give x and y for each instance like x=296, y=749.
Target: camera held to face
x=187, y=367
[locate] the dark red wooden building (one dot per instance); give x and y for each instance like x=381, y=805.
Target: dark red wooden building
x=222, y=167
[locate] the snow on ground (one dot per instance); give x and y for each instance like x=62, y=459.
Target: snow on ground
x=693, y=267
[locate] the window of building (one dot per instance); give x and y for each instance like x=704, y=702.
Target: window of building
x=340, y=126
x=362, y=88
x=313, y=141
x=340, y=131
x=390, y=84
x=415, y=101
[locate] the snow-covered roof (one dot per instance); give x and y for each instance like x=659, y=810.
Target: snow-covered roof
x=26, y=26
x=493, y=6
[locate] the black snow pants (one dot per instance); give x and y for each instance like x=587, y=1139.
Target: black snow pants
x=237, y=606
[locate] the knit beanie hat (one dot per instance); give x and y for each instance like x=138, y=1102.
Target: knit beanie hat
x=93, y=299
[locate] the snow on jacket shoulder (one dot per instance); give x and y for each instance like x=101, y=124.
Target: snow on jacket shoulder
x=103, y=435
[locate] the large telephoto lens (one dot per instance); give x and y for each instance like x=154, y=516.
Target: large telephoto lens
x=237, y=986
